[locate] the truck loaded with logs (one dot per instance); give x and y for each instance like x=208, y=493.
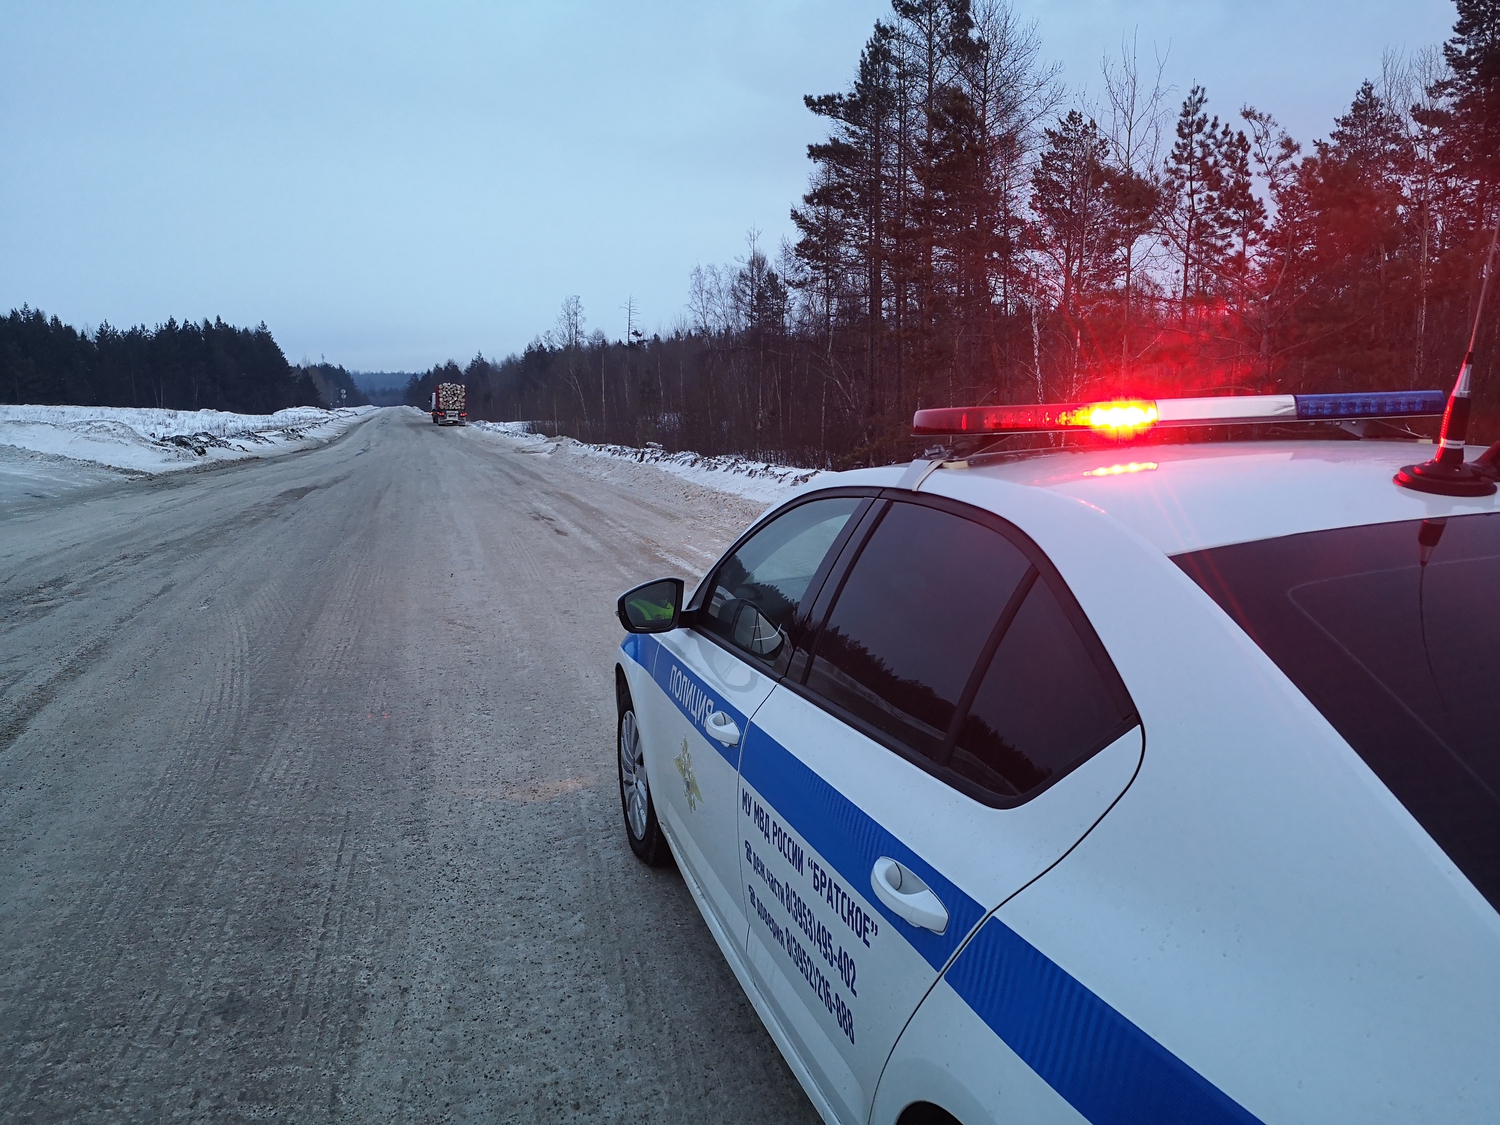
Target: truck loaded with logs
x=449, y=405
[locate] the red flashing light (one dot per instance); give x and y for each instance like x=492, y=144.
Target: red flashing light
x=1122, y=417
x=1118, y=419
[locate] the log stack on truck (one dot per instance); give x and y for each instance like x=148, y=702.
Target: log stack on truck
x=450, y=405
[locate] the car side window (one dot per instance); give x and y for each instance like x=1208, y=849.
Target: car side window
x=1043, y=705
x=912, y=620
x=947, y=639
x=754, y=596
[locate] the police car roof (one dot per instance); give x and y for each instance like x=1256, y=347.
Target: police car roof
x=1191, y=497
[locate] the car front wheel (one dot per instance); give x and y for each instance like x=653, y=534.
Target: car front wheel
x=641, y=827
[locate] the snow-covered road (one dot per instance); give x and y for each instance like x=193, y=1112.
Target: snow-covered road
x=308, y=805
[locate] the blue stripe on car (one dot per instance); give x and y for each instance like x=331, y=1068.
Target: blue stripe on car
x=1107, y=1068
x=641, y=648
x=693, y=697
x=850, y=841
x=1104, y=1066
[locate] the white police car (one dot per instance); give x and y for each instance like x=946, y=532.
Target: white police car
x=1138, y=784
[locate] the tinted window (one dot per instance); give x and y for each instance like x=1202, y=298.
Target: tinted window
x=756, y=592
x=1397, y=655
x=912, y=620
x=1042, y=707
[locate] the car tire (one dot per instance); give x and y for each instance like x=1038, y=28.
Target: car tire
x=641, y=826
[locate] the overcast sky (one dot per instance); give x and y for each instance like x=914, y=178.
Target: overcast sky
x=392, y=185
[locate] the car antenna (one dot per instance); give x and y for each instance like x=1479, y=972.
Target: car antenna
x=1447, y=474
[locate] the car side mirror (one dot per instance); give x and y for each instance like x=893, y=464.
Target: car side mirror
x=654, y=607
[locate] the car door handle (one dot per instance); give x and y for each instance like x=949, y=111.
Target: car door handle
x=900, y=889
x=722, y=728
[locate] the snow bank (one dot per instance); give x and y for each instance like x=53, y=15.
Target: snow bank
x=739, y=476
x=155, y=441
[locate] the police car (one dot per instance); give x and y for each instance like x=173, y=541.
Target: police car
x=1133, y=782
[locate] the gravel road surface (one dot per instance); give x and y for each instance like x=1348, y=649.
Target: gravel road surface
x=308, y=804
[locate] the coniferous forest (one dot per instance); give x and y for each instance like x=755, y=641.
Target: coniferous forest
x=968, y=236
x=186, y=366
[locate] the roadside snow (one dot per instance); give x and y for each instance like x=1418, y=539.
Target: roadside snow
x=157, y=441
x=738, y=476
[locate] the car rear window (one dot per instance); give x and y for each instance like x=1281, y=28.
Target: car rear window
x=1390, y=631
x=1042, y=707
x=947, y=640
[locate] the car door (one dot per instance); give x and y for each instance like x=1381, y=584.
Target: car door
x=715, y=674
x=948, y=732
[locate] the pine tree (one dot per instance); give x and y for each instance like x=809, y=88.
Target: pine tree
x=1239, y=214
x=1191, y=182
x=849, y=199
x=934, y=39
x=1070, y=195
x=825, y=223
x=1468, y=114
x=1135, y=200
x=1466, y=121
x=1346, y=252
x=1090, y=214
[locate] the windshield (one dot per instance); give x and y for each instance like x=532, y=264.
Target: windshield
x=1390, y=632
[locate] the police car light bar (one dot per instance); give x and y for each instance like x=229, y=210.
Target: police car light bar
x=1125, y=417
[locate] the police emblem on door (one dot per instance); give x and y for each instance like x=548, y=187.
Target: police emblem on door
x=684, y=762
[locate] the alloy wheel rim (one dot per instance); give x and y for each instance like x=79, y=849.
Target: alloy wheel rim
x=633, y=776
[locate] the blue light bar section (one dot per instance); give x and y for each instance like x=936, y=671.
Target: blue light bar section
x=1378, y=404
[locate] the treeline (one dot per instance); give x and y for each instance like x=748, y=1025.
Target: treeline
x=186, y=366
x=967, y=236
